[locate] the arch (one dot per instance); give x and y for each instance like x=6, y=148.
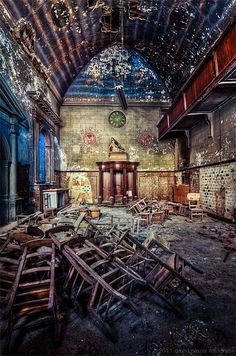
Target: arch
x=115, y=66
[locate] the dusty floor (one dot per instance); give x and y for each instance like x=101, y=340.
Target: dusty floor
x=208, y=327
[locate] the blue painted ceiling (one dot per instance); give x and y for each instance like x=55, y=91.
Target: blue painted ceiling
x=118, y=66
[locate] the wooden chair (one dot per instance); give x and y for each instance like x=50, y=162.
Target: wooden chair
x=138, y=206
x=31, y=301
x=195, y=208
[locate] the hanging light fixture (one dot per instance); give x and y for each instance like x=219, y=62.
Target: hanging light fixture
x=121, y=96
x=120, y=88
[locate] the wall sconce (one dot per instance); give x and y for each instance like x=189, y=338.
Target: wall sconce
x=121, y=95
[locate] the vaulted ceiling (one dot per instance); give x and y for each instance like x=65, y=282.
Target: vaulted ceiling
x=173, y=35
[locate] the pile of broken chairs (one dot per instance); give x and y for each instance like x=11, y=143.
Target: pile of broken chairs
x=102, y=271
x=146, y=212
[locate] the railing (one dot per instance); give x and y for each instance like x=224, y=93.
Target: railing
x=215, y=67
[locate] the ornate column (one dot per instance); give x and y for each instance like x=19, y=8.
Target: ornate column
x=4, y=191
x=13, y=172
x=100, y=196
x=13, y=167
x=135, y=183
x=112, y=198
x=124, y=185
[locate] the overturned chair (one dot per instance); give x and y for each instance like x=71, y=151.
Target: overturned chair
x=102, y=285
x=31, y=300
x=167, y=274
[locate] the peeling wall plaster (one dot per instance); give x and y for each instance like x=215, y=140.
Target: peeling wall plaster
x=20, y=74
x=115, y=66
x=222, y=146
x=206, y=150
x=172, y=35
x=80, y=188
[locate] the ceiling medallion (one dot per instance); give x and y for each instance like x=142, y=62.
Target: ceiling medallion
x=117, y=119
x=145, y=139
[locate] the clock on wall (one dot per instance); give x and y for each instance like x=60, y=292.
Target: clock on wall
x=117, y=119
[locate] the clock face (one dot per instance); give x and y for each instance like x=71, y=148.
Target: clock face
x=117, y=119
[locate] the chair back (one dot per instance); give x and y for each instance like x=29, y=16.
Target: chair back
x=193, y=200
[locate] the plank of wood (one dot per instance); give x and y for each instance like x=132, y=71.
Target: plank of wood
x=78, y=221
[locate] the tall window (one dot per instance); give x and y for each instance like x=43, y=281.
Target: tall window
x=42, y=168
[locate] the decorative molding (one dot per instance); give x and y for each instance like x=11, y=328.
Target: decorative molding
x=11, y=104
x=73, y=100
x=210, y=122
x=40, y=100
x=25, y=35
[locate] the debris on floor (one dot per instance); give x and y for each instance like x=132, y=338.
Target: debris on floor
x=97, y=264
x=103, y=268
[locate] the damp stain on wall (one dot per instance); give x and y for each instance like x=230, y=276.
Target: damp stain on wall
x=151, y=154
x=80, y=188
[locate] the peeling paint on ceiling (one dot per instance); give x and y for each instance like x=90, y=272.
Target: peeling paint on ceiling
x=115, y=66
x=173, y=36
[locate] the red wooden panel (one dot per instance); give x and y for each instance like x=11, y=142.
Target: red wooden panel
x=190, y=94
x=180, y=193
x=202, y=79
x=205, y=77
x=176, y=110
x=162, y=125
x=226, y=50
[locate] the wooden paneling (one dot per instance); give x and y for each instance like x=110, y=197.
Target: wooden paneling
x=164, y=188
x=106, y=186
x=205, y=80
x=201, y=81
x=156, y=185
x=148, y=186
x=115, y=182
x=226, y=50
x=163, y=125
x=190, y=95
x=194, y=180
x=180, y=193
x=176, y=110
x=204, y=77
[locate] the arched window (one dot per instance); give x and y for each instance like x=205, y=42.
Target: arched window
x=45, y=157
x=42, y=165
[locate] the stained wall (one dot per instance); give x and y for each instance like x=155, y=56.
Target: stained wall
x=19, y=76
x=139, y=140
x=80, y=154
x=209, y=163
